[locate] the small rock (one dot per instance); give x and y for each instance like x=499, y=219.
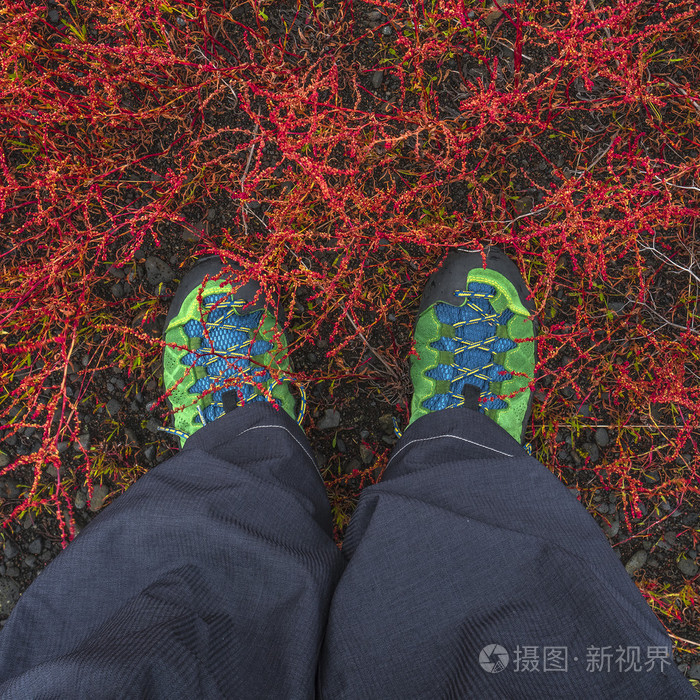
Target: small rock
x=117, y=291
x=115, y=272
x=62, y=446
x=53, y=17
x=9, y=550
x=377, y=78
x=29, y=560
x=386, y=30
x=9, y=595
x=52, y=471
x=694, y=672
x=602, y=437
x=211, y=214
x=113, y=407
x=158, y=271
x=100, y=492
x=35, y=546
x=491, y=18
x=352, y=465
x=636, y=561
x=331, y=419
x=390, y=440
x=4, y=460
x=386, y=423
x=12, y=571
x=80, y=500
x=366, y=454
x=152, y=426
x=340, y=444
x=9, y=489
x=150, y=453
x=83, y=441
x=375, y=16
x=364, y=434
x=687, y=566
x=523, y=205
x=592, y=450
x=194, y=234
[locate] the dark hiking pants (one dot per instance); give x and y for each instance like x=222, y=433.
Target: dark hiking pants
x=470, y=571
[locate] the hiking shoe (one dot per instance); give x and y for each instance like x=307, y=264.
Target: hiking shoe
x=475, y=341
x=227, y=355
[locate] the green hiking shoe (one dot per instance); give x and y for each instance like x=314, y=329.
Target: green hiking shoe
x=475, y=341
x=227, y=355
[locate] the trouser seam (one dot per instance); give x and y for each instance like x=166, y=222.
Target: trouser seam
x=289, y=432
x=447, y=435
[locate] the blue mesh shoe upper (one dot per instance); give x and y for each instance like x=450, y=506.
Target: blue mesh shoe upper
x=226, y=353
x=475, y=325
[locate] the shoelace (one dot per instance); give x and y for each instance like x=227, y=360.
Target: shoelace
x=474, y=342
x=489, y=371
x=226, y=354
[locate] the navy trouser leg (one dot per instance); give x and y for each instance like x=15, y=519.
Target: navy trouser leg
x=468, y=542
x=213, y=575
x=210, y=577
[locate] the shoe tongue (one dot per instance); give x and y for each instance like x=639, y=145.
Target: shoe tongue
x=471, y=396
x=229, y=400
